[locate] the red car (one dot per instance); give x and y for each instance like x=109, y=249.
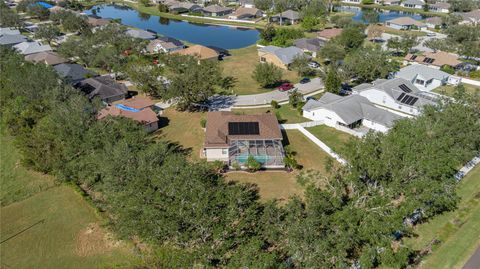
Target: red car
x=285, y=87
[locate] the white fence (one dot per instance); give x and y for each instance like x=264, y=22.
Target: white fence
x=470, y=81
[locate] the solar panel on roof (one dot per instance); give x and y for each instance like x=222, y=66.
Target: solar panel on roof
x=404, y=99
x=415, y=99
x=408, y=100
x=243, y=128
x=413, y=57
x=401, y=96
x=405, y=88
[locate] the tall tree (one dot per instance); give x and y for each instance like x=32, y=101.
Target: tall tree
x=267, y=74
x=333, y=82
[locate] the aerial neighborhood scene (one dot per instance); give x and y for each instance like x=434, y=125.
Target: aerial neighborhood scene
x=240, y=134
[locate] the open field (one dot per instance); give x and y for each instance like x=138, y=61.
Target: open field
x=449, y=90
x=286, y=112
x=241, y=64
x=50, y=226
x=457, y=230
x=333, y=138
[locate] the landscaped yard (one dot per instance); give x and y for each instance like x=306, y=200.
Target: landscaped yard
x=47, y=226
x=458, y=230
x=241, y=64
x=333, y=138
x=287, y=113
x=449, y=89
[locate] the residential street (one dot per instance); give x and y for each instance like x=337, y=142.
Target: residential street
x=474, y=261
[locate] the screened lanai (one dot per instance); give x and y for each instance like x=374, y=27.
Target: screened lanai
x=269, y=153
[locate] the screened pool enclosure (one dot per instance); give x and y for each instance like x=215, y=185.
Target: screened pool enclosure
x=269, y=153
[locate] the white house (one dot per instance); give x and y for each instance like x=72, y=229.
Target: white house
x=413, y=4
x=398, y=95
x=351, y=112
x=391, y=2
x=442, y=7
x=352, y=1
x=423, y=77
x=405, y=23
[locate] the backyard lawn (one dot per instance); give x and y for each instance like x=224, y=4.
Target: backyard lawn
x=448, y=90
x=48, y=226
x=333, y=138
x=241, y=64
x=287, y=113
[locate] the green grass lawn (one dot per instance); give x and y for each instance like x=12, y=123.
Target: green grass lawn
x=448, y=90
x=333, y=138
x=241, y=64
x=47, y=226
x=458, y=230
x=286, y=112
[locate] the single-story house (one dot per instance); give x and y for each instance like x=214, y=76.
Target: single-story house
x=286, y=17
x=104, y=87
x=413, y=4
x=73, y=73
x=328, y=34
x=9, y=31
x=281, y=57
x=46, y=57
x=405, y=23
x=216, y=11
x=247, y=3
x=351, y=112
x=390, y=2
x=9, y=40
x=442, y=7
x=398, y=95
x=423, y=77
x=141, y=34
x=183, y=7
x=312, y=45
x=434, y=22
x=243, y=13
x=437, y=59
x=232, y=138
x=202, y=52
x=97, y=22
x=138, y=109
x=27, y=48
x=470, y=18
x=164, y=45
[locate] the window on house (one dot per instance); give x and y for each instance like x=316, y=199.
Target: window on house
x=262, y=59
x=224, y=151
x=419, y=81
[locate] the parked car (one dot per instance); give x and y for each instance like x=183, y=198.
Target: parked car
x=310, y=98
x=285, y=87
x=313, y=65
x=459, y=175
x=304, y=80
x=431, y=34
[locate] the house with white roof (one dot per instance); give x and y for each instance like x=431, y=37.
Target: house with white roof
x=141, y=34
x=426, y=78
x=281, y=57
x=397, y=95
x=413, y=4
x=27, y=48
x=405, y=23
x=349, y=112
x=442, y=7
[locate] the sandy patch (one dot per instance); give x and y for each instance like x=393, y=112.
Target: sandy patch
x=94, y=240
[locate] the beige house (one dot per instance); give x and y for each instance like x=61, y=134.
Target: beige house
x=281, y=57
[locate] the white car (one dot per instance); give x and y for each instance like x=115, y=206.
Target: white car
x=313, y=65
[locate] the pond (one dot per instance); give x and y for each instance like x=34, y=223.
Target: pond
x=226, y=37
x=361, y=14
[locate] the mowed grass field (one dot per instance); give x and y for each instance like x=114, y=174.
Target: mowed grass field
x=287, y=113
x=332, y=137
x=241, y=64
x=449, y=90
x=458, y=231
x=44, y=225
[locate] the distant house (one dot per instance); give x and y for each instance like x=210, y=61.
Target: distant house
x=199, y=51
x=243, y=13
x=397, y=94
x=434, y=22
x=73, y=73
x=350, y=112
x=141, y=34
x=352, y=1
x=405, y=23
x=281, y=57
x=442, y=7
x=11, y=38
x=418, y=4
x=328, y=34
x=390, y=2
x=9, y=31
x=232, y=138
x=138, y=109
x=97, y=22
x=164, y=45
x=216, y=11
x=436, y=59
x=312, y=45
x=46, y=57
x=286, y=17
x=104, y=87
x=182, y=7
x=470, y=18
x=27, y=48
x=247, y=3
x=425, y=78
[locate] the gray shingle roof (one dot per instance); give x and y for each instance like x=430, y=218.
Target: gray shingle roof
x=289, y=14
x=26, y=48
x=104, y=87
x=142, y=34
x=7, y=39
x=412, y=71
x=216, y=9
x=310, y=44
x=9, y=31
x=72, y=72
x=413, y=2
x=286, y=55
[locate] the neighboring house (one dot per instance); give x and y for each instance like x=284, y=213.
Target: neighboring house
x=424, y=77
x=202, y=52
x=405, y=23
x=281, y=57
x=47, y=57
x=73, y=73
x=247, y=3
x=243, y=13
x=104, y=87
x=27, y=48
x=442, y=7
x=97, y=22
x=470, y=18
x=9, y=31
x=413, y=4
x=352, y=1
x=434, y=22
x=396, y=94
x=141, y=34
x=232, y=138
x=390, y=2
x=352, y=111
x=312, y=45
x=328, y=34
x=182, y=7
x=437, y=59
x=286, y=17
x=9, y=40
x=164, y=45
x=138, y=109
x=216, y=11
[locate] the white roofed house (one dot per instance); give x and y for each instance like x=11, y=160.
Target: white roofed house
x=141, y=34
x=405, y=23
x=425, y=78
x=349, y=112
x=397, y=95
x=418, y=4
x=27, y=48
x=442, y=7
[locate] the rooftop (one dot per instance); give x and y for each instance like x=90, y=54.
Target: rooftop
x=289, y=14
x=286, y=55
x=200, y=51
x=412, y=71
x=406, y=21
x=330, y=33
x=46, y=57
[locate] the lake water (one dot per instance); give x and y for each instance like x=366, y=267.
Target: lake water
x=225, y=37
x=383, y=15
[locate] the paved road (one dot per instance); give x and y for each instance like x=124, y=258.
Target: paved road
x=474, y=261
